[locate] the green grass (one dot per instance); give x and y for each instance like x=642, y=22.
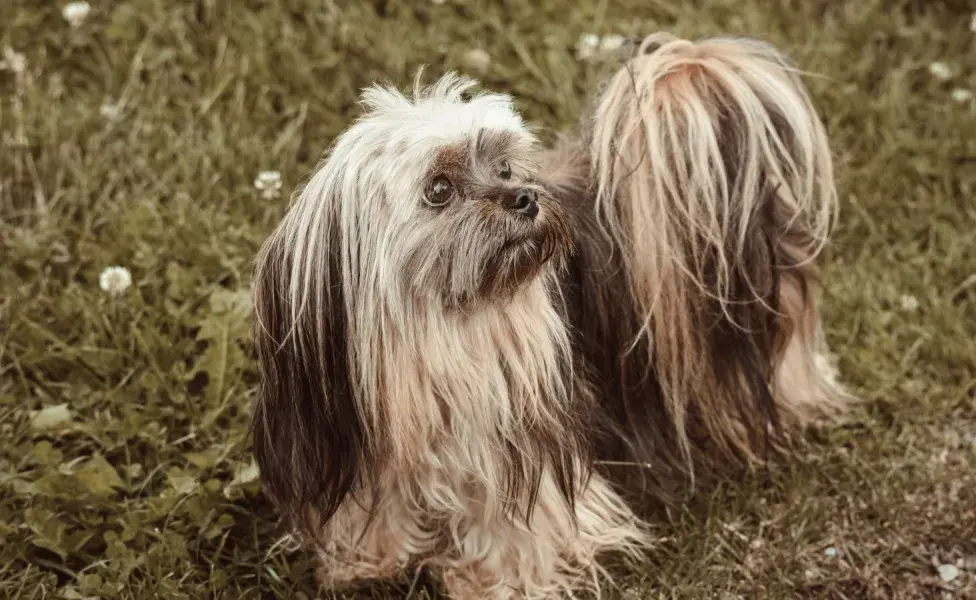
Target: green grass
x=134, y=495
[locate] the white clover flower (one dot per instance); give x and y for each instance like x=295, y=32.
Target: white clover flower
x=115, y=280
x=962, y=95
x=15, y=61
x=269, y=184
x=909, y=303
x=477, y=59
x=587, y=45
x=948, y=572
x=75, y=13
x=109, y=110
x=941, y=71
x=610, y=43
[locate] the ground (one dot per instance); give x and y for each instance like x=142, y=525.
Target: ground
x=135, y=138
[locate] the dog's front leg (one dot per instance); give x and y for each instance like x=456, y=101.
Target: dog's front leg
x=554, y=555
x=357, y=546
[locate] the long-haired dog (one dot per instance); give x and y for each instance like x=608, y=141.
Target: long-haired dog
x=485, y=359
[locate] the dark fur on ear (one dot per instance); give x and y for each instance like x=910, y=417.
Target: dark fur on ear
x=308, y=433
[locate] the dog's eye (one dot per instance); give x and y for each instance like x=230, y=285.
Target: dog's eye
x=505, y=170
x=440, y=191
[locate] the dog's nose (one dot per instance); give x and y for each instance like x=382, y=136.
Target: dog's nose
x=525, y=202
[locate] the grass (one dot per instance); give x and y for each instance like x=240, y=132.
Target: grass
x=133, y=481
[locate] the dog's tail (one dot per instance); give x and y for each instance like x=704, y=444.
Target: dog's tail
x=714, y=180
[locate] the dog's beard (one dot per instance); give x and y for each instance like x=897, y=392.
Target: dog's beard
x=522, y=258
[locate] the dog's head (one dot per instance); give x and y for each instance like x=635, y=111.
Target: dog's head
x=424, y=205
x=471, y=224
x=434, y=200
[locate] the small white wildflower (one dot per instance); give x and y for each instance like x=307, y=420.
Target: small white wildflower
x=268, y=183
x=477, y=59
x=948, y=572
x=586, y=46
x=50, y=417
x=962, y=95
x=75, y=13
x=830, y=552
x=941, y=71
x=909, y=302
x=109, y=110
x=15, y=61
x=115, y=280
x=610, y=43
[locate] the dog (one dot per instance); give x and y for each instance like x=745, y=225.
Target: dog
x=486, y=358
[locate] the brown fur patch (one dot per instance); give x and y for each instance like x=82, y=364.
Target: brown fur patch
x=453, y=159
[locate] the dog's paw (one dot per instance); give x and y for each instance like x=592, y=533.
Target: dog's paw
x=470, y=584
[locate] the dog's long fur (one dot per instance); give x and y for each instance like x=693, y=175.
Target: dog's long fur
x=440, y=377
x=705, y=191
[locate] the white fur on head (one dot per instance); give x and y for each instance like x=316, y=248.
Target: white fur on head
x=438, y=113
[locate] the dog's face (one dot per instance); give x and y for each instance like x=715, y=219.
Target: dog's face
x=482, y=226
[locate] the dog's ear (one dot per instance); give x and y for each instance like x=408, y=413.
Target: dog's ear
x=308, y=433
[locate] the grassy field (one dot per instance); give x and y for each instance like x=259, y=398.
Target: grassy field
x=135, y=137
